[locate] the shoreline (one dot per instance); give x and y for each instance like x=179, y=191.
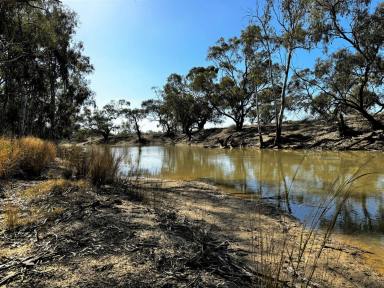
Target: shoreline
x=299, y=135
x=169, y=219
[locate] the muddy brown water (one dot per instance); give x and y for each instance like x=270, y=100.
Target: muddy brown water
x=296, y=181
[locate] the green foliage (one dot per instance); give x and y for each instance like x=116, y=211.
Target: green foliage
x=42, y=69
x=242, y=63
x=103, y=122
x=350, y=80
x=134, y=116
x=43, y=85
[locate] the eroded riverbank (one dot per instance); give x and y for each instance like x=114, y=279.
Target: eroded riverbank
x=308, y=135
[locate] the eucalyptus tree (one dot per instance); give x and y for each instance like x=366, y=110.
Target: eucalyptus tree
x=157, y=110
x=133, y=117
x=351, y=76
x=103, y=121
x=186, y=108
x=42, y=69
x=202, y=85
x=237, y=60
x=285, y=29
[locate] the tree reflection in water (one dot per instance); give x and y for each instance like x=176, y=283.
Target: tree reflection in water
x=268, y=175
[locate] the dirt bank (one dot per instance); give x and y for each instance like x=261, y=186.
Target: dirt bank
x=313, y=134
x=157, y=233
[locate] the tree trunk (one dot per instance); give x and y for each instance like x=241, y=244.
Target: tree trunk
x=261, y=142
x=201, y=125
x=168, y=131
x=272, y=79
x=23, y=115
x=279, y=120
x=52, y=106
x=106, y=137
x=188, y=132
x=342, y=126
x=375, y=124
x=239, y=123
x=138, y=132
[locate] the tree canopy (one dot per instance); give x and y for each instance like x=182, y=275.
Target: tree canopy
x=42, y=69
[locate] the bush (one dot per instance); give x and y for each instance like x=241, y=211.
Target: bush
x=104, y=166
x=37, y=154
x=10, y=155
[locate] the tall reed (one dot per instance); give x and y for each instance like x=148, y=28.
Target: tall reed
x=287, y=258
x=104, y=166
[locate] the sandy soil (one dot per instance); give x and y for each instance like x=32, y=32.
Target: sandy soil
x=158, y=233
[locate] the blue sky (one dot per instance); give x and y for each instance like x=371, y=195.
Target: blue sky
x=135, y=44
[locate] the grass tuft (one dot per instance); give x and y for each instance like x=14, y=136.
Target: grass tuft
x=77, y=161
x=10, y=155
x=99, y=164
x=11, y=215
x=37, y=154
x=104, y=166
x=29, y=155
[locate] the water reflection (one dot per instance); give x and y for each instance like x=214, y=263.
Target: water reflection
x=297, y=181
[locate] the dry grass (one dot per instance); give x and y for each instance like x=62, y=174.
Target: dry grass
x=10, y=155
x=37, y=154
x=11, y=216
x=104, y=166
x=76, y=160
x=50, y=185
x=301, y=252
x=29, y=154
x=98, y=164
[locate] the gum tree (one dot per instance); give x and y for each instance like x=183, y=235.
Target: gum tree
x=351, y=76
x=285, y=25
x=237, y=61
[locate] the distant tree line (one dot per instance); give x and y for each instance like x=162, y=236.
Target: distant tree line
x=42, y=69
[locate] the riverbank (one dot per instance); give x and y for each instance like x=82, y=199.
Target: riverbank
x=160, y=233
x=310, y=135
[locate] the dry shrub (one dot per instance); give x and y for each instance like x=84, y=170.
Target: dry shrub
x=29, y=154
x=103, y=166
x=37, y=154
x=11, y=215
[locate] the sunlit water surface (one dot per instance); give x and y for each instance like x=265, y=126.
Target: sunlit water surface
x=296, y=181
